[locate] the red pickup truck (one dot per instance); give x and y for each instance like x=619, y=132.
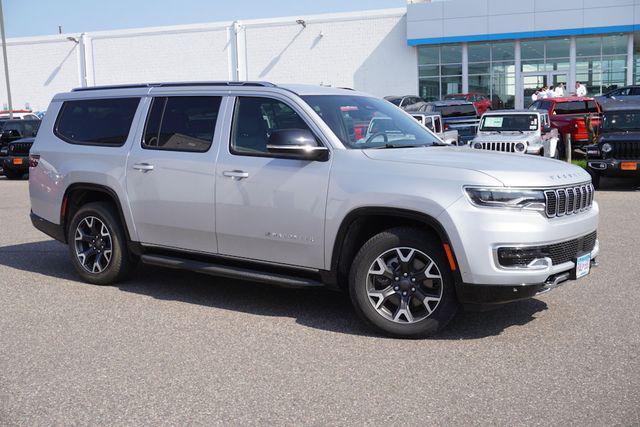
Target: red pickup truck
x=568, y=114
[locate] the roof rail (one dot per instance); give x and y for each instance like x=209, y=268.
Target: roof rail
x=174, y=84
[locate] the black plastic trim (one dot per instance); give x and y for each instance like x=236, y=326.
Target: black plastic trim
x=230, y=271
x=174, y=84
x=102, y=189
x=484, y=296
x=49, y=228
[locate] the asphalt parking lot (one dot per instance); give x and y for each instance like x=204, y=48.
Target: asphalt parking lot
x=170, y=347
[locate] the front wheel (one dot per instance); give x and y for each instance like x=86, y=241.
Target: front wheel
x=12, y=175
x=401, y=284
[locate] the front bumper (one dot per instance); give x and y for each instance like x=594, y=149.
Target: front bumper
x=15, y=164
x=615, y=167
x=476, y=233
x=484, y=297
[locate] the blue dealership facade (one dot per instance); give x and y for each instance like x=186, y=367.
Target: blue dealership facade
x=508, y=48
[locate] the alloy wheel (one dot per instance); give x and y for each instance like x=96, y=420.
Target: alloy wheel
x=93, y=244
x=404, y=285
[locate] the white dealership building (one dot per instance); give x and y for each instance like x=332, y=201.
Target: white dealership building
x=503, y=48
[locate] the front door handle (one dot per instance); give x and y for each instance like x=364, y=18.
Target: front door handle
x=236, y=174
x=143, y=167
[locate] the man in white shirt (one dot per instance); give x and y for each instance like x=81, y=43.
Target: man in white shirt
x=581, y=90
x=559, y=91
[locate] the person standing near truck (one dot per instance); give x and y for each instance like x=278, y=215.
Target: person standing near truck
x=581, y=90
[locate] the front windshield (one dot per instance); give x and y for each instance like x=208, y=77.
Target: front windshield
x=509, y=122
x=621, y=120
x=395, y=101
x=363, y=122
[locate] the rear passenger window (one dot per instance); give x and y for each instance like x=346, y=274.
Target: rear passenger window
x=96, y=121
x=181, y=123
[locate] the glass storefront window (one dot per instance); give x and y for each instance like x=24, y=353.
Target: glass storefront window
x=430, y=89
x=503, y=51
x=428, y=55
x=532, y=49
x=480, y=68
x=588, y=46
x=558, y=48
x=615, y=45
x=479, y=52
x=451, y=84
x=451, y=54
x=480, y=84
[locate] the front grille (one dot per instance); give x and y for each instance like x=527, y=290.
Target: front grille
x=20, y=148
x=558, y=252
x=625, y=150
x=569, y=200
x=507, y=147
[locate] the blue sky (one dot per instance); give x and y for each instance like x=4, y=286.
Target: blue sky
x=42, y=17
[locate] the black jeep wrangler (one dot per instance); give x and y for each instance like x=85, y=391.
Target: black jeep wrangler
x=15, y=130
x=617, y=152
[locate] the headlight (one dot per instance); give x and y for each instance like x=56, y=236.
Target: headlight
x=3, y=151
x=477, y=146
x=606, y=147
x=520, y=146
x=507, y=198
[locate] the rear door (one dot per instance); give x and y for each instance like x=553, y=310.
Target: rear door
x=171, y=172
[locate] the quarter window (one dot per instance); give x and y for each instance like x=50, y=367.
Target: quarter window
x=253, y=120
x=181, y=123
x=96, y=121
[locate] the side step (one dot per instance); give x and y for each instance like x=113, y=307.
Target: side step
x=232, y=272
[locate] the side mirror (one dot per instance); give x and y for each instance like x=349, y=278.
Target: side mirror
x=296, y=144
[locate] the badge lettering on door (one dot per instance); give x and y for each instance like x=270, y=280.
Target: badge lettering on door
x=289, y=236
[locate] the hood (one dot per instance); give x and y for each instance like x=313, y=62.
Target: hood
x=513, y=170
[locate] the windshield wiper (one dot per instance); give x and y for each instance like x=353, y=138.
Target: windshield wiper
x=435, y=144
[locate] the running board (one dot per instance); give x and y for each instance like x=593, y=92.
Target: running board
x=231, y=272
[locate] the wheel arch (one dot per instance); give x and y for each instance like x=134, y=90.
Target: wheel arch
x=362, y=223
x=79, y=194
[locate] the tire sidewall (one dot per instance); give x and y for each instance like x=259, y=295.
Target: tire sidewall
x=119, y=263
x=381, y=243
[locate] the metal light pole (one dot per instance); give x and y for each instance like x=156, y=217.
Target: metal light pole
x=6, y=64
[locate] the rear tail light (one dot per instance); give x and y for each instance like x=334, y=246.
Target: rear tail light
x=33, y=160
x=446, y=126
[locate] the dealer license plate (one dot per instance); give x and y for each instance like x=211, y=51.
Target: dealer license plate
x=582, y=265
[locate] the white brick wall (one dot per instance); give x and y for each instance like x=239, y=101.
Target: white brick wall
x=38, y=69
x=365, y=50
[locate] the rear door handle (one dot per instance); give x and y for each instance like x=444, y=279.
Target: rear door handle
x=144, y=167
x=236, y=174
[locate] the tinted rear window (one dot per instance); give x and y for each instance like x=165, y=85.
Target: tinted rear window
x=182, y=123
x=457, y=110
x=96, y=121
x=575, y=107
x=21, y=128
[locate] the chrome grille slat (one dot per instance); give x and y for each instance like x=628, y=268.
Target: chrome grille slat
x=507, y=147
x=568, y=200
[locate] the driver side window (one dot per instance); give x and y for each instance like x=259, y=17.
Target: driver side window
x=254, y=119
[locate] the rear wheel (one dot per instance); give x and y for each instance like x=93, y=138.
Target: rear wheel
x=97, y=245
x=401, y=284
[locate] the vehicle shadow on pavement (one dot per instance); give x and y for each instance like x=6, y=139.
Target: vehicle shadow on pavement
x=314, y=308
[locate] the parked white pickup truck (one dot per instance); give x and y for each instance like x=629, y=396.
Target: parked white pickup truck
x=433, y=122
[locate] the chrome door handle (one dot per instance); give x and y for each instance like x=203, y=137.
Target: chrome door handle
x=143, y=167
x=236, y=174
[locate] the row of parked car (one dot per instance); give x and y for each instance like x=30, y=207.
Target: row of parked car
x=606, y=128
x=17, y=133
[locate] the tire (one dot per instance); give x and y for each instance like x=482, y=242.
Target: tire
x=388, y=317
x=12, y=175
x=112, y=268
x=595, y=178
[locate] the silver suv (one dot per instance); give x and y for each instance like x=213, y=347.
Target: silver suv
x=305, y=186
